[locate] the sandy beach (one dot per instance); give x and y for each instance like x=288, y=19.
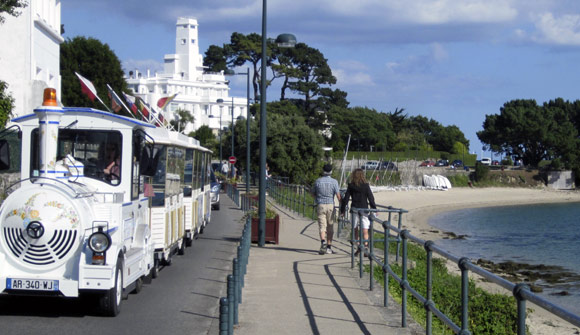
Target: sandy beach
x=424, y=204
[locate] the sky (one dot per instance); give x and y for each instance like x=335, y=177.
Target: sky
x=454, y=61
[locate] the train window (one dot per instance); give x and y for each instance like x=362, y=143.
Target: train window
x=188, y=173
x=158, y=180
x=137, y=184
x=99, y=151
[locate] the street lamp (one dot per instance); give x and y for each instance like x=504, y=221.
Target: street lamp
x=221, y=101
x=230, y=72
x=283, y=40
x=220, y=133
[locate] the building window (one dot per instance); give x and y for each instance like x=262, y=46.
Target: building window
x=183, y=40
x=193, y=41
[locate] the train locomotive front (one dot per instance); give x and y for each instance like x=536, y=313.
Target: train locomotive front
x=66, y=228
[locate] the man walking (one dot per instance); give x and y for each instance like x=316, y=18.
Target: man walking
x=325, y=188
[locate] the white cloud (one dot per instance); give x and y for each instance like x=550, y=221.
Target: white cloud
x=421, y=63
x=563, y=30
x=352, y=73
x=424, y=11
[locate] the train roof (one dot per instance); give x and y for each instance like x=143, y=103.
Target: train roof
x=88, y=118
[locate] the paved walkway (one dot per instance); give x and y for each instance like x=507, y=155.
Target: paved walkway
x=291, y=289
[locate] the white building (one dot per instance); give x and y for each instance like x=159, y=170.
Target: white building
x=30, y=53
x=197, y=91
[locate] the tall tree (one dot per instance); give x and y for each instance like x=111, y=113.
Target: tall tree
x=310, y=71
x=94, y=61
x=11, y=7
x=241, y=49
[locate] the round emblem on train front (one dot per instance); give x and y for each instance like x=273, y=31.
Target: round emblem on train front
x=35, y=230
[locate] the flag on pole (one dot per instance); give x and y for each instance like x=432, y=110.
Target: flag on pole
x=131, y=102
x=116, y=103
x=157, y=116
x=163, y=102
x=142, y=107
x=87, y=87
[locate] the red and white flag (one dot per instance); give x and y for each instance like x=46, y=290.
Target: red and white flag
x=87, y=87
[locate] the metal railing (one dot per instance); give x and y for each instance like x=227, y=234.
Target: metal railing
x=292, y=196
x=235, y=283
x=520, y=291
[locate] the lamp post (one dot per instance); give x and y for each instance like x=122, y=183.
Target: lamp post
x=284, y=40
x=221, y=101
x=230, y=72
x=220, y=133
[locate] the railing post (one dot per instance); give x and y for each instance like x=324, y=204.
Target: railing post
x=521, y=302
x=236, y=266
x=224, y=316
x=399, y=227
x=353, y=241
x=464, y=295
x=429, y=284
x=240, y=270
x=404, y=282
x=360, y=246
x=371, y=252
x=386, y=267
x=231, y=299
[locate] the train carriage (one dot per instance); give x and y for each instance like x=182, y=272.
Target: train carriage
x=194, y=190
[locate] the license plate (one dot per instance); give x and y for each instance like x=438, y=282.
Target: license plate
x=31, y=284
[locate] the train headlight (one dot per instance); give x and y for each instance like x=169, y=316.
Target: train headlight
x=99, y=242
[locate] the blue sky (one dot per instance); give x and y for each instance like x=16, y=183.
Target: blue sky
x=451, y=60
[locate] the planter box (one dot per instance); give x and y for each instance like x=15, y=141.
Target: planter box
x=272, y=229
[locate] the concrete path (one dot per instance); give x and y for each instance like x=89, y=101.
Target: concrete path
x=291, y=289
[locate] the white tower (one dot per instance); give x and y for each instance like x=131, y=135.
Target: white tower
x=186, y=63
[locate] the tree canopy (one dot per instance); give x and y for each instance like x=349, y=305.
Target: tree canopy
x=94, y=61
x=534, y=133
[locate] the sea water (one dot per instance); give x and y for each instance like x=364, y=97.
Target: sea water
x=546, y=234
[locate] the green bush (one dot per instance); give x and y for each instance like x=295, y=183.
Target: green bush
x=481, y=172
x=459, y=180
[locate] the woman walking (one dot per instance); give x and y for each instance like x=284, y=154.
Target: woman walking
x=362, y=197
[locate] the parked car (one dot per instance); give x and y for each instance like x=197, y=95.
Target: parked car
x=442, y=162
x=427, y=164
x=215, y=191
x=370, y=165
x=457, y=163
x=494, y=162
x=486, y=161
x=388, y=166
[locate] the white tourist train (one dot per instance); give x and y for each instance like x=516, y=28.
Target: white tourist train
x=102, y=200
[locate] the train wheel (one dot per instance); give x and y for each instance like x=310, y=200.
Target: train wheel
x=138, y=285
x=167, y=261
x=155, y=269
x=181, y=250
x=110, y=302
